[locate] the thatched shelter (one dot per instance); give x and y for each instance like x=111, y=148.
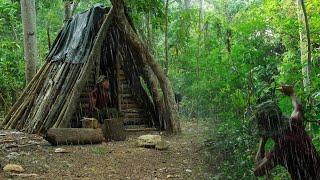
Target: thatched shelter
x=100, y=41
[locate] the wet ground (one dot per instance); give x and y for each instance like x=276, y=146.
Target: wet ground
x=111, y=160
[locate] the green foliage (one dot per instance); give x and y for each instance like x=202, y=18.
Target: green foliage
x=11, y=53
x=226, y=85
x=99, y=150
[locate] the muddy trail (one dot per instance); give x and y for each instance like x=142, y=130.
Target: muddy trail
x=111, y=160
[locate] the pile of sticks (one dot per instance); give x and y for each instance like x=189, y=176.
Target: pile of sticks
x=44, y=101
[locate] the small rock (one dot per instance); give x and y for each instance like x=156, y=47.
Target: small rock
x=162, y=145
x=16, y=132
x=9, y=146
x=172, y=176
x=13, y=168
x=185, y=161
x=163, y=170
x=35, y=162
x=33, y=142
x=12, y=155
x=189, y=170
x=7, y=141
x=25, y=153
x=104, y=143
x=61, y=150
x=148, y=140
x=23, y=175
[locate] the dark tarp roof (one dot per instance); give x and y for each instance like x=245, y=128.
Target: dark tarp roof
x=74, y=42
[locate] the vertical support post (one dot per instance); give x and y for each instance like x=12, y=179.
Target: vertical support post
x=119, y=57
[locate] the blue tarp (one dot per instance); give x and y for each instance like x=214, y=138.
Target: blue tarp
x=74, y=42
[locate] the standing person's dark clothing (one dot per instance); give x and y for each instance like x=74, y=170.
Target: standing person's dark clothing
x=294, y=151
x=99, y=99
x=293, y=148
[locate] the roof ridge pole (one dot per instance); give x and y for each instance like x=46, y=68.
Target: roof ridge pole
x=170, y=105
x=80, y=83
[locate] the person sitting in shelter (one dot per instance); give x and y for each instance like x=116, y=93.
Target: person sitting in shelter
x=293, y=147
x=99, y=98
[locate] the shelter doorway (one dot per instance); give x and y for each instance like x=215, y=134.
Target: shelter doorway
x=121, y=98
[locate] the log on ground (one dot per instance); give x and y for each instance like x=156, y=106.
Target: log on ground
x=74, y=136
x=113, y=129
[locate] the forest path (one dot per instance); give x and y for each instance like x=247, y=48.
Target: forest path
x=112, y=160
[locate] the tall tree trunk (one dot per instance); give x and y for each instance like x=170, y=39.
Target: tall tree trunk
x=148, y=25
x=198, y=56
x=305, y=45
x=166, y=48
x=28, y=14
x=187, y=4
x=67, y=10
x=74, y=7
x=228, y=40
x=48, y=35
x=199, y=38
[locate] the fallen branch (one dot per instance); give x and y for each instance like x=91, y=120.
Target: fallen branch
x=73, y=136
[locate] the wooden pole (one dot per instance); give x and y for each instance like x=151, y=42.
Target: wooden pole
x=118, y=59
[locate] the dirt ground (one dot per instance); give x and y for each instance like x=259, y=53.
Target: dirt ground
x=111, y=160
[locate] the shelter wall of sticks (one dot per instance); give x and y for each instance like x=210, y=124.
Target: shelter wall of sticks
x=91, y=44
